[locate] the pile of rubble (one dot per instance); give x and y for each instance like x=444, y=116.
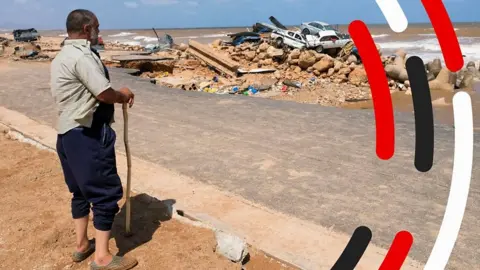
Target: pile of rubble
x=116, y=46
x=330, y=79
x=22, y=50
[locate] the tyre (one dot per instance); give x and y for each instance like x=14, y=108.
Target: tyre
x=306, y=31
x=279, y=43
x=319, y=49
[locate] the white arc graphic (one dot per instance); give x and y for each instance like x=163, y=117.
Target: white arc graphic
x=394, y=14
x=461, y=176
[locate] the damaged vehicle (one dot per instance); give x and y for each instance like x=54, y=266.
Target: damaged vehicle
x=316, y=27
x=164, y=43
x=268, y=28
x=25, y=35
x=325, y=40
x=242, y=37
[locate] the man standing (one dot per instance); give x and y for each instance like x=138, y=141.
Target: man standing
x=80, y=85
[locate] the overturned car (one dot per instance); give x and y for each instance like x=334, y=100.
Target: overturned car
x=323, y=41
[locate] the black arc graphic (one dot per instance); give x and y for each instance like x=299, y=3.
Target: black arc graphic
x=354, y=250
x=422, y=106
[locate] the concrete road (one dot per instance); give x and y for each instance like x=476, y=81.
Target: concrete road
x=312, y=162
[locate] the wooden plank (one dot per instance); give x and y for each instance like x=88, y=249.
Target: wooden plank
x=212, y=63
x=208, y=52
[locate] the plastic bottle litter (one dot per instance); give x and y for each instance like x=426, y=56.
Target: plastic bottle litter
x=252, y=90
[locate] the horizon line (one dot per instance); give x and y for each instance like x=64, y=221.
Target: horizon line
x=229, y=27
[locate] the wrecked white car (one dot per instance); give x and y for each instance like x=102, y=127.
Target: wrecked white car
x=325, y=40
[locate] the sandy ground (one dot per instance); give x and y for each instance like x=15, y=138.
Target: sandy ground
x=37, y=230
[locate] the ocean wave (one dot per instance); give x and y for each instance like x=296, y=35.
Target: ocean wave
x=63, y=35
x=146, y=39
x=208, y=36
x=456, y=29
x=122, y=34
x=429, y=48
x=380, y=36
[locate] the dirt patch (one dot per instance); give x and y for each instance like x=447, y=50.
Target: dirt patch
x=37, y=230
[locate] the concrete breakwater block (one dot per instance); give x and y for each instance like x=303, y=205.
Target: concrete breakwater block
x=231, y=246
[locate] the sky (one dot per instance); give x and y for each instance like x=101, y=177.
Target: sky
x=136, y=14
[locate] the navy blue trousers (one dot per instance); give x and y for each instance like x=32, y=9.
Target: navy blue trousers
x=88, y=161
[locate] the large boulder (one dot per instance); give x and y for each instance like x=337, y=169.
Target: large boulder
x=217, y=43
x=352, y=59
x=274, y=52
x=262, y=56
x=337, y=65
x=442, y=81
x=397, y=70
x=183, y=47
x=264, y=47
x=307, y=59
x=345, y=71
x=295, y=54
x=434, y=67
x=467, y=81
x=358, y=76
x=319, y=56
x=250, y=55
x=330, y=72
x=293, y=62
x=324, y=64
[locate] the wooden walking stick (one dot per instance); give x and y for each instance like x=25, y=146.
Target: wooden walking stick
x=128, y=209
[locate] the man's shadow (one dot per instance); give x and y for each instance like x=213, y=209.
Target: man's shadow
x=147, y=214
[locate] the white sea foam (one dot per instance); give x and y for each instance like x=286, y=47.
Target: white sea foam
x=207, y=36
x=63, y=35
x=145, y=39
x=122, y=34
x=429, y=48
x=380, y=36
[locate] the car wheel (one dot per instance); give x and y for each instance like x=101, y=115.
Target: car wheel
x=306, y=31
x=279, y=43
x=319, y=49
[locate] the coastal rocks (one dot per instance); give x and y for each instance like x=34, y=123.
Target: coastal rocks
x=273, y=52
x=295, y=54
x=330, y=72
x=344, y=71
x=434, y=67
x=217, y=43
x=358, y=76
x=324, y=64
x=352, y=59
x=183, y=47
x=2, y=50
x=263, y=47
x=337, y=65
x=307, y=59
x=468, y=81
x=397, y=70
x=442, y=81
x=250, y=55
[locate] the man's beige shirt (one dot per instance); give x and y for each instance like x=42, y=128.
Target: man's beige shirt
x=77, y=78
